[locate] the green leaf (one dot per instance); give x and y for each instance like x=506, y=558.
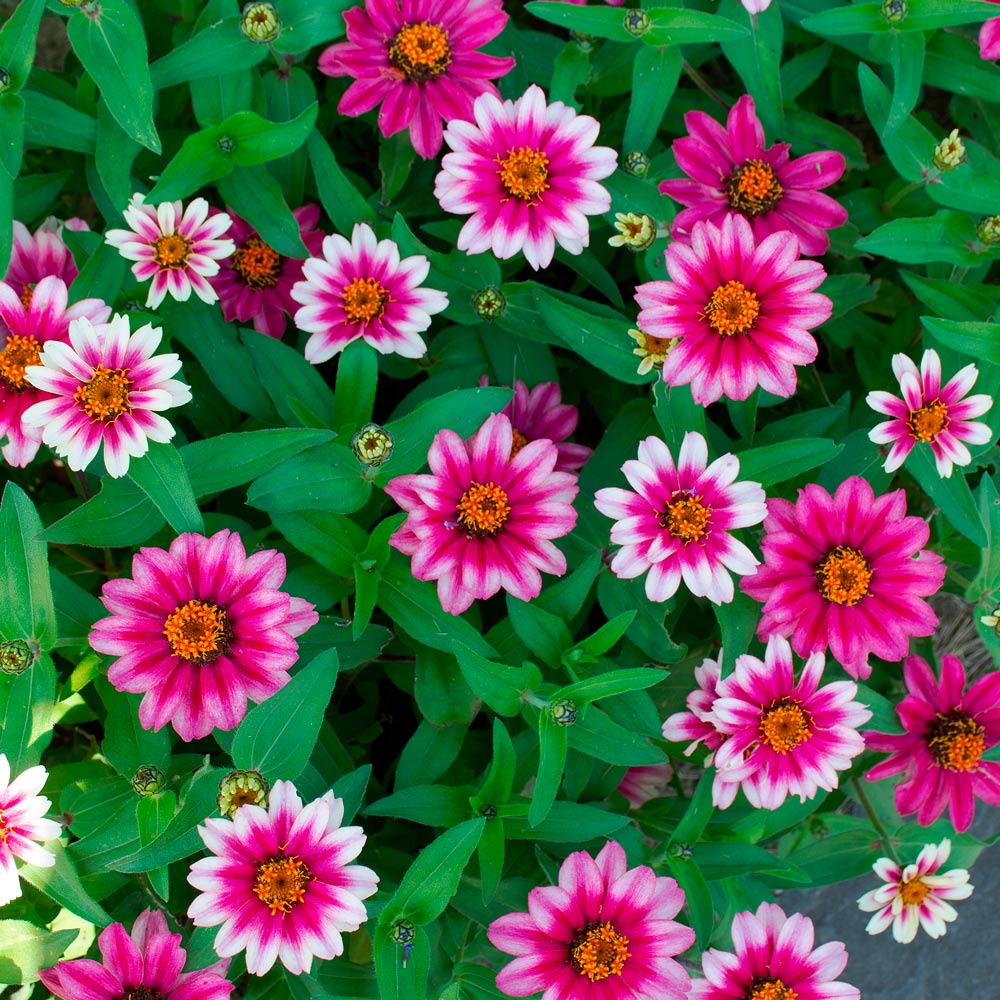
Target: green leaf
x=606, y=636
x=153, y=815
x=277, y=737
x=11, y=134
x=342, y=201
x=976, y=340
x=25, y=948
x=351, y=790
x=305, y=23
x=571, y=70
x=161, y=475
x=48, y=122
x=76, y=611
x=490, y=850
x=120, y=515
x=217, y=45
x=500, y=778
x=674, y=26
x=27, y=702
x=613, y=682
x=331, y=540
x=395, y=980
x=598, y=736
x=697, y=815
x=758, y=62
x=62, y=883
x=603, y=22
x=552, y=744
x=253, y=194
x=327, y=477
x=441, y=693
x=906, y=56
x=884, y=718
x=839, y=856
x=498, y=685
x=655, y=73
x=718, y=861
x=944, y=236
x=697, y=898
x=544, y=634
x=567, y=822
x=952, y=495
x=357, y=380
x=295, y=386
x=431, y=805
x=737, y=623
x=127, y=745
x=17, y=42
x=777, y=463
x=429, y=753
x=111, y=44
x=115, y=152
x=923, y=15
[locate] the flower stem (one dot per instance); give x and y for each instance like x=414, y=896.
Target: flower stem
x=901, y=194
x=875, y=821
x=704, y=85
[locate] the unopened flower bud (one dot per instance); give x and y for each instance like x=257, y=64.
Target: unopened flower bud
x=563, y=712
x=895, y=11
x=16, y=655
x=372, y=445
x=260, y=23
x=988, y=230
x=635, y=231
x=4, y=80
x=148, y=780
x=949, y=153
x=488, y=812
x=636, y=163
x=636, y=22
x=489, y=303
x=242, y=788
x=403, y=932
x=992, y=621
x=682, y=852
x=583, y=41
x=226, y=143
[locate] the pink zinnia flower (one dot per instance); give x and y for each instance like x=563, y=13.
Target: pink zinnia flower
x=27, y=324
x=37, y=256
x=255, y=283
x=108, y=387
x=178, y=248
x=785, y=737
x=22, y=823
x=420, y=59
x=774, y=960
x=527, y=173
x=484, y=520
x=729, y=170
x=915, y=896
x=757, y=7
x=199, y=630
x=929, y=413
x=648, y=781
x=605, y=932
x=989, y=37
x=679, y=521
x=363, y=289
x=280, y=882
x=144, y=964
x=848, y=573
x=948, y=729
x=742, y=311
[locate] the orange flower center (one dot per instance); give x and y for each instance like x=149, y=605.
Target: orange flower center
x=18, y=353
x=914, y=892
x=753, y=189
x=142, y=993
x=257, y=264
x=420, y=51
x=771, y=989
x=926, y=423
x=281, y=883
x=27, y=291
x=844, y=575
x=4, y=829
x=198, y=631
x=732, y=309
x=519, y=442
x=483, y=510
x=686, y=518
x=599, y=951
x=172, y=251
x=659, y=345
x=364, y=300
x=956, y=741
x=785, y=725
x=524, y=173
x=105, y=396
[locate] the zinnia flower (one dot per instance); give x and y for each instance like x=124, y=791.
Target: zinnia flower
x=199, y=630
x=22, y=822
x=605, y=932
x=989, y=38
x=698, y=723
x=929, y=413
x=484, y=520
x=774, y=960
x=33, y=257
x=280, y=882
x=756, y=7
x=420, y=59
x=645, y=782
x=652, y=350
x=940, y=756
x=743, y=311
x=27, y=323
x=916, y=895
x=108, y=387
x=144, y=964
x=729, y=170
x=848, y=573
x=363, y=289
x=527, y=173
x=785, y=737
x=679, y=521
x=255, y=283
x=178, y=248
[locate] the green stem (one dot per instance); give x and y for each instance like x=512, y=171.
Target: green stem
x=703, y=85
x=875, y=821
x=901, y=194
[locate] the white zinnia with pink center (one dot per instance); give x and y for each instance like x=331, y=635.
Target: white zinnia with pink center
x=677, y=524
x=178, y=248
x=109, y=388
x=915, y=896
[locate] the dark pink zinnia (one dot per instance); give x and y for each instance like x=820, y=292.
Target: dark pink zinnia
x=730, y=170
x=38, y=256
x=989, y=37
x=541, y=413
x=256, y=282
x=948, y=729
x=848, y=572
x=420, y=60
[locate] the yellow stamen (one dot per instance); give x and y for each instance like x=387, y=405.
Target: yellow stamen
x=844, y=575
x=483, y=509
x=198, y=631
x=956, y=741
x=785, y=725
x=926, y=423
x=914, y=892
x=257, y=264
x=686, y=518
x=599, y=951
x=172, y=251
x=732, y=309
x=524, y=173
x=753, y=189
x=420, y=51
x=519, y=442
x=105, y=396
x=18, y=353
x=364, y=300
x=281, y=883
x=27, y=291
x=771, y=989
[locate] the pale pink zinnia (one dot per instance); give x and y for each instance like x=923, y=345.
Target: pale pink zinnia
x=255, y=283
x=280, y=882
x=931, y=413
x=27, y=324
x=645, y=782
x=419, y=59
x=527, y=172
x=107, y=385
x=742, y=310
x=605, y=932
x=178, y=248
x=483, y=520
x=848, y=573
x=22, y=824
x=145, y=964
x=363, y=289
x=915, y=896
x=773, y=958
x=786, y=737
x=199, y=630
x=730, y=170
x=940, y=755
x=36, y=256
x=989, y=38
x=679, y=522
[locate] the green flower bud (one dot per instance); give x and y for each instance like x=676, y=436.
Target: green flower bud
x=636, y=163
x=489, y=303
x=563, y=712
x=488, y=812
x=636, y=22
x=403, y=932
x=148, y=780
x=4, y=80
x=584, y=42
x=372, y=445
x=242, y=788
x=260, y=23
x=895, y=11
x=988, y=230
x=226, y=143
x=16, y=655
